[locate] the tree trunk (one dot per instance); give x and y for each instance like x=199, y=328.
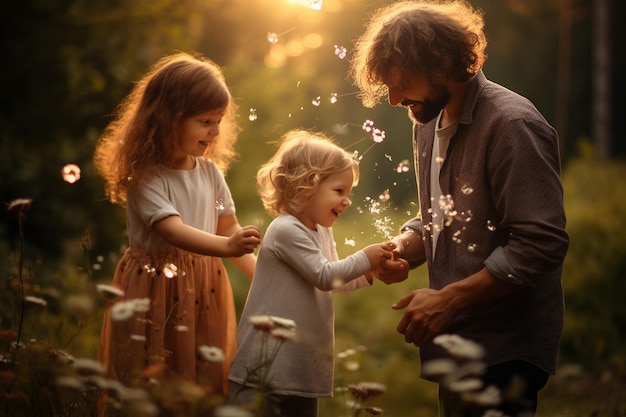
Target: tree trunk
x=601, y=117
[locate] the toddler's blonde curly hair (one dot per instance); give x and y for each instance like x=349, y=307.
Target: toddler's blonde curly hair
x=303, y=161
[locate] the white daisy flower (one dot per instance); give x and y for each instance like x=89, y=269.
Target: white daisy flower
x=211, y=353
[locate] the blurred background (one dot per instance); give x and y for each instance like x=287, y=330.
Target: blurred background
x=66, y=64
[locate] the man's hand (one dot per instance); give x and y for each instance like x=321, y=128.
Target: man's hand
x=428, y=313
x=392, y=271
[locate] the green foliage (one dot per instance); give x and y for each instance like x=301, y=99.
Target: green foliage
x=595, y=198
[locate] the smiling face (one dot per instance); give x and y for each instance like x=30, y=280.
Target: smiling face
x=195, y=134
x=423, y=99
x=329, y=201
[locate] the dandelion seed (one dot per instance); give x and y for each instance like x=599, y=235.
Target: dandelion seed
x=350, y=242
x=272, y=37
x=170, y=270
x=333, y=98
x=384, y=196
x=315, y=4
x=340, y=51
x=316, y=101
x=149, y=269
x=181, y=328
x=356, y=157
x=378, y=135
x=490, y=226
x=467, y=190
x=36, y=300
x=138, y=338
x=403, y=166
x=368, y=125
x=472, y=247
x=252, y=116
x=212, y=353
x=109, y=291
x=70, y=173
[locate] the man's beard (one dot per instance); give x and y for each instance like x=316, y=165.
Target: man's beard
x=425, y=111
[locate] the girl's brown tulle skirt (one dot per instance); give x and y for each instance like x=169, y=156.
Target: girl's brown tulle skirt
x=191, y=306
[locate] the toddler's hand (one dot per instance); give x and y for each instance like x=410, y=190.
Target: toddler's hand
x=378, y=253
x=244, y=240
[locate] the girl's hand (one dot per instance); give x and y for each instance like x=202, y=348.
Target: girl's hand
x=378, y=253
x=244, y=240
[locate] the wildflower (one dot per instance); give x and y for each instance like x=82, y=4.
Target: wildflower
x=141, y=305
x=352, y=366
x=494, y=413
x=62, y=356
x=69, y=382
x=282, y=322
x=122, y=311
x=460, y=347
x=109, y=291
x=79, y=304
x=463, y=385
x=20, y=205
x=212, y=353
x=88, y=367
x=439, y=368
x=264, y=323
x=375, y=411
x=36, y=300
x=286, y=335
x=489, y=396
x=232, y=411
x=365, y=390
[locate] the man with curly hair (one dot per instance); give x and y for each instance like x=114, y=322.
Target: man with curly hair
x=491, y=226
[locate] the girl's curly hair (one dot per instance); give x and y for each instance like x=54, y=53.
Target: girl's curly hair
x=142, y=137
x=303, y=161
x=428, y=38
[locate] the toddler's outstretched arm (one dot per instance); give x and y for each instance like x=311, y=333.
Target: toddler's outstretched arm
x=378, y=253
x=186, y=237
